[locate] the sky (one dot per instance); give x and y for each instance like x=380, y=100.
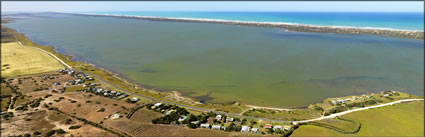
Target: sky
x=341, y=6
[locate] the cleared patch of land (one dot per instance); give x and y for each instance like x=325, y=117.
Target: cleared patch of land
x=21, y=60
x=405, y=119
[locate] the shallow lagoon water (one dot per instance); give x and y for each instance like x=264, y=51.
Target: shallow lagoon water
x=224, y=63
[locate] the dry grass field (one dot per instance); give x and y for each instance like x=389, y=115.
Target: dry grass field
x=44, y=121
x=20, y=60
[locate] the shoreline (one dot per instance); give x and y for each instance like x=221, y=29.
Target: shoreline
x=139, y=86
x=413, y=34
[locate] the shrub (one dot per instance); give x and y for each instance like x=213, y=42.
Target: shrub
x=191, y=125
x=60, y=131
x=75, y=127
x=36, y=133
x=50, y=133
x=318, y=108
x=335, y=110
x=101, y=110
x=68, y=121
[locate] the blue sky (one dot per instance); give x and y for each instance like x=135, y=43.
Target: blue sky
x=359, y=6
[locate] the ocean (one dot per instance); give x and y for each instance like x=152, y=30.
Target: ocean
x=388, y=20
x=222, y=63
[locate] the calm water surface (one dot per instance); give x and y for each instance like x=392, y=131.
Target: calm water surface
x=224, y=63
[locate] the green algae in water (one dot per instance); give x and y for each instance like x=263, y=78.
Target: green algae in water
x=225, y=63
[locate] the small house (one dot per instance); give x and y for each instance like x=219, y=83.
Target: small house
x=169, y=112
x=245, y=129
x=278, y=127
x=286, y=127
x=89, y=78
x=229, y=119
x=157, y=104
x=254, y=130
x=115, y=116
x=218, y=117
x=268, y=126
x=135, y=99
x=205, y=125
x=195, y=122
x=182, y=118
x=217, y=127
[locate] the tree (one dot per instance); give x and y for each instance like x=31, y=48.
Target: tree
x=101, y=110
x=60, y=131
x=252, y=122
x=191, y=125
x=50, y=133
x=36, y=133
x=75, y=127
x=203, y=119
x=231, y=127
x=270, y=131
x=243, y=121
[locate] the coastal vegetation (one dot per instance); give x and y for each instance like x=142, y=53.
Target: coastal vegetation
x=289, y=115
x=404, y=119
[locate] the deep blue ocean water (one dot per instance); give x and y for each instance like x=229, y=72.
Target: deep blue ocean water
x=391, y=20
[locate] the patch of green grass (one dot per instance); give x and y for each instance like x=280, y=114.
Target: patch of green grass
x=301, y=114
x=404, y=119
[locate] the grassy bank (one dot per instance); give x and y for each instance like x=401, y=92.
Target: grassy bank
x=404, y=119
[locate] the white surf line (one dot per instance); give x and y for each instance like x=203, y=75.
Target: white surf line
x=54, y=56
x=357, y=109
x=208, y=20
